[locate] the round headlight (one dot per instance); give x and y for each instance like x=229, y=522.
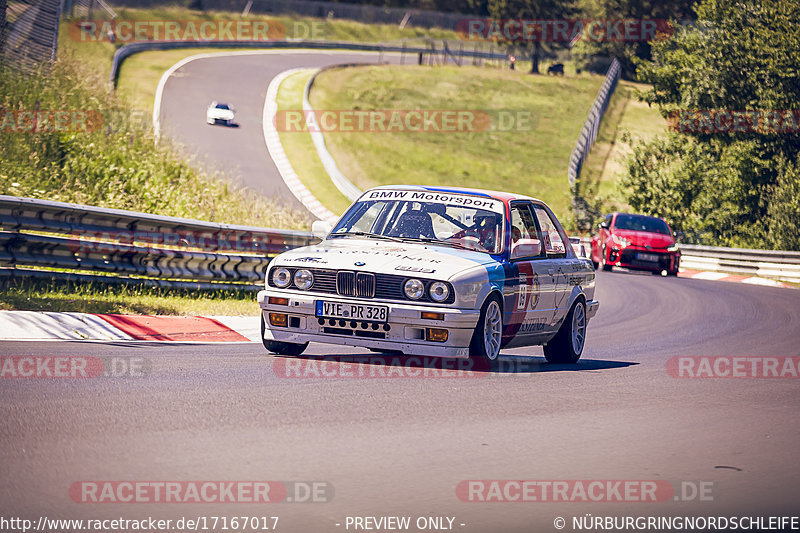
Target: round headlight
x=414, y=289
x=303, y=279
x=439, y=291
x=281, y=277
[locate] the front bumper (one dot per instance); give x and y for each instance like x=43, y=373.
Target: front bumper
x=404, y=331
x=627, y=258
x=591, y=308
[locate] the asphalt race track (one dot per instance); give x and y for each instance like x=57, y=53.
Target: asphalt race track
x=400, y=446
x=240, y=151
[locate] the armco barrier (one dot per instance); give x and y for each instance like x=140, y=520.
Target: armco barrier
x=784, y=266
x=586, y=140
x=40, y=233
x=772, y=264
x=117, y=246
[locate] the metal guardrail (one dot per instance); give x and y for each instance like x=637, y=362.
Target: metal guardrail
x=771, y=264
x=586, y=140
x=127, y=50
x=117, y=246
x=56, y=235
x=780, y=265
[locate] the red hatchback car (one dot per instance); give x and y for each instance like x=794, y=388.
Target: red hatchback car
x=636, y=241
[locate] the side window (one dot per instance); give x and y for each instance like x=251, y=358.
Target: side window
x=608, y=220
x=551, y=240
x=523, y=223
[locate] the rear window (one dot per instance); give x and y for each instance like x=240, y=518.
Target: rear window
x=641, y=223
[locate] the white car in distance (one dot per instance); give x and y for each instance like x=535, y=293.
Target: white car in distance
x=220, y=113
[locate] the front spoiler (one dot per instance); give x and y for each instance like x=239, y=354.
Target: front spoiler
x=406, y=327
x=591, y=308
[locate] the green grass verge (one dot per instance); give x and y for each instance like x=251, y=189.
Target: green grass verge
x=34, y=295
x=114, y=163
x=627, y=120
x=532, y=161
x=301, y=151
x=140, y=73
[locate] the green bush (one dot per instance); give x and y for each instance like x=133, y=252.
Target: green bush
x=113, y=162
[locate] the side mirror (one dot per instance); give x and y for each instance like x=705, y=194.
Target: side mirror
x=526, y=248
x=321, y=228
x=603, y=225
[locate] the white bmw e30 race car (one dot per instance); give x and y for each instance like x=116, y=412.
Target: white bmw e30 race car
x=433, y=271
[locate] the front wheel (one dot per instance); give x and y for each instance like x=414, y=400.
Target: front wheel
x=489, y=331
x=281, y=348
x=567, y=345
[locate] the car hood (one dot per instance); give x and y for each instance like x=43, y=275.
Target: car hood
x=646, y=238
x=379, y=256
x=225, y=114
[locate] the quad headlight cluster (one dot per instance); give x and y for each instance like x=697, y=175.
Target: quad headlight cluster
x=414, y=289
x=303, y=279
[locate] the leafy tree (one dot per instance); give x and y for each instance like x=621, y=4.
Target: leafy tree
x=671, y=16
x=723, y=185
x=534, y=10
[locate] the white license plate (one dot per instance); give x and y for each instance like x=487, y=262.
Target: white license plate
x=647, y=257
x=373, y=313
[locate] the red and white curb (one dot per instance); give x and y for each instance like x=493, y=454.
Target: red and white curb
x=721, y=276
x=34, y=325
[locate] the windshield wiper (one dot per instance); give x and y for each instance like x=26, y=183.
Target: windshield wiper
x=453, y=244
x=366, y=234
x=433, y=241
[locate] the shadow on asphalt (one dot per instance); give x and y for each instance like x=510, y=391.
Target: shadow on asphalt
x=420, y=364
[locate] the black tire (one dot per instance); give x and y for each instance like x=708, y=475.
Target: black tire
x=480, y=348
x=606, y=268
x=281, y=348
x=561, y=348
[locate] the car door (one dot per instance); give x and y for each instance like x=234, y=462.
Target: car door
x=559, y=268
x=534, y=304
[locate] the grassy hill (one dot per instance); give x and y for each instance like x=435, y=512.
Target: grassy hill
x=530, y=160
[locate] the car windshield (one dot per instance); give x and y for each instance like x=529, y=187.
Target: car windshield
x=641, y=223
x=223, y=106
x=442, y=218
